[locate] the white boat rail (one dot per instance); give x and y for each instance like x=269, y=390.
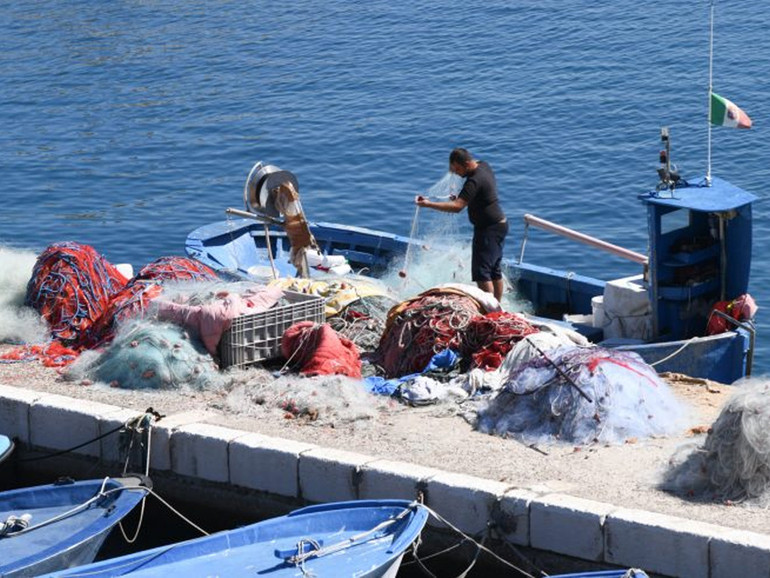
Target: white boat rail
x=580, y=237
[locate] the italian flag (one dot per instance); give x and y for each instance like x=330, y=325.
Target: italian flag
x=725, y=113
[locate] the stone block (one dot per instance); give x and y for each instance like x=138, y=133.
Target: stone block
x=200, y=450
x=160, y=452
x=511, y=515
x=466, y=502
x=388, y=479
x=330, y=475
x=267, y=464
x=657, y=543
x=568, y=525
x=14, y=411
x=59, y=423
x=737, y=552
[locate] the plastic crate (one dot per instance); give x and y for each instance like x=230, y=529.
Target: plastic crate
x=257, y=337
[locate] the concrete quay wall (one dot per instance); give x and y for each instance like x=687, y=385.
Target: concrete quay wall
x=183, y=445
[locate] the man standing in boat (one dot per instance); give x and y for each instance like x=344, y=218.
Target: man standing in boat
x=490, y=227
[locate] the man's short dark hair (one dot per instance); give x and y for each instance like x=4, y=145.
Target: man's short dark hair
x=460, y=156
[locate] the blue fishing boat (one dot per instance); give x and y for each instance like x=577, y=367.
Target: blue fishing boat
x=6, y=447
x=699, y=255
x=364, y=538
x=61, y=525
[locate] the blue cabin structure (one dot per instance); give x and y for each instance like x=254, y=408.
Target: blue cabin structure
x=699, y=253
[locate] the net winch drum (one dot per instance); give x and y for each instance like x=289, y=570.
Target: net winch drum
x=260, y=183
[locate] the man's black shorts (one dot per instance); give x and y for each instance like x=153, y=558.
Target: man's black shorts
x=488, y=252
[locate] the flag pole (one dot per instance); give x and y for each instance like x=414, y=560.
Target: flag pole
x=711, y=68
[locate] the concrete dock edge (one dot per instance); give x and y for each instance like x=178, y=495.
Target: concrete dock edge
x=184, y=445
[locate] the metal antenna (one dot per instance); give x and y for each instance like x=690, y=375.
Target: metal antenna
x=708, y=120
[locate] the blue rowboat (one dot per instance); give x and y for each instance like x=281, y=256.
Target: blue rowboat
x=6, y=447
x=60, y=525
x=366, y=539
x=699, y=253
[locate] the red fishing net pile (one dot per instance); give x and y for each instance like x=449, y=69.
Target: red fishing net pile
x=742, y=308
x=70, y=288
x=319, y=350
x=131, y=301
x=175, y=269
x=134, y=298
x=82, y=297
x=488, y=339
x=422, y=327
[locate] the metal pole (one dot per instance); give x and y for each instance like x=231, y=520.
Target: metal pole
x=746, y=327
x=270, y=251
x=587, y=239
x=560, y=371
x=708, y=120
x=255, y=216
x=722, y=258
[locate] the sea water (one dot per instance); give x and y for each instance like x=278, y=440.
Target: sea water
x=127, y=125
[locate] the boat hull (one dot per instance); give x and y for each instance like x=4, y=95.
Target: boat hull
x=364, y=538
x=68, y=523
x=237, y=249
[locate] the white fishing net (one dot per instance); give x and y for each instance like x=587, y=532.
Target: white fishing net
x=18, y=323
x=323, y=400
x=547, y=399
x=733, y=464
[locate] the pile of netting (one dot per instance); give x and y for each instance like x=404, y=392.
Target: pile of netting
x=71, y=286
x=147, y=354
x=421, y=327
x=18, y=323
x=363, y=321
x=734, y=462
x=318, y=350
x=356, y=307
x=208, y=308
x=331, y=400
x=134, y=299
x=582, y=395
x=83, y=297
x=488, y=339
x=175, y=268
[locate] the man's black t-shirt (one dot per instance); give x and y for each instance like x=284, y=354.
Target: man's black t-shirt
x=480, y=192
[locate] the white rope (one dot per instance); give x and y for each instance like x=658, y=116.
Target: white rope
x=479, y=545
x=677, y=352
x=175, y=511
x=72, y=511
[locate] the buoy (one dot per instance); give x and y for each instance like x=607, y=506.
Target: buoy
x=402, y=274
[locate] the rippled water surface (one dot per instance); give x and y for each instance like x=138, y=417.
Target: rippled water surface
x=128, y=124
